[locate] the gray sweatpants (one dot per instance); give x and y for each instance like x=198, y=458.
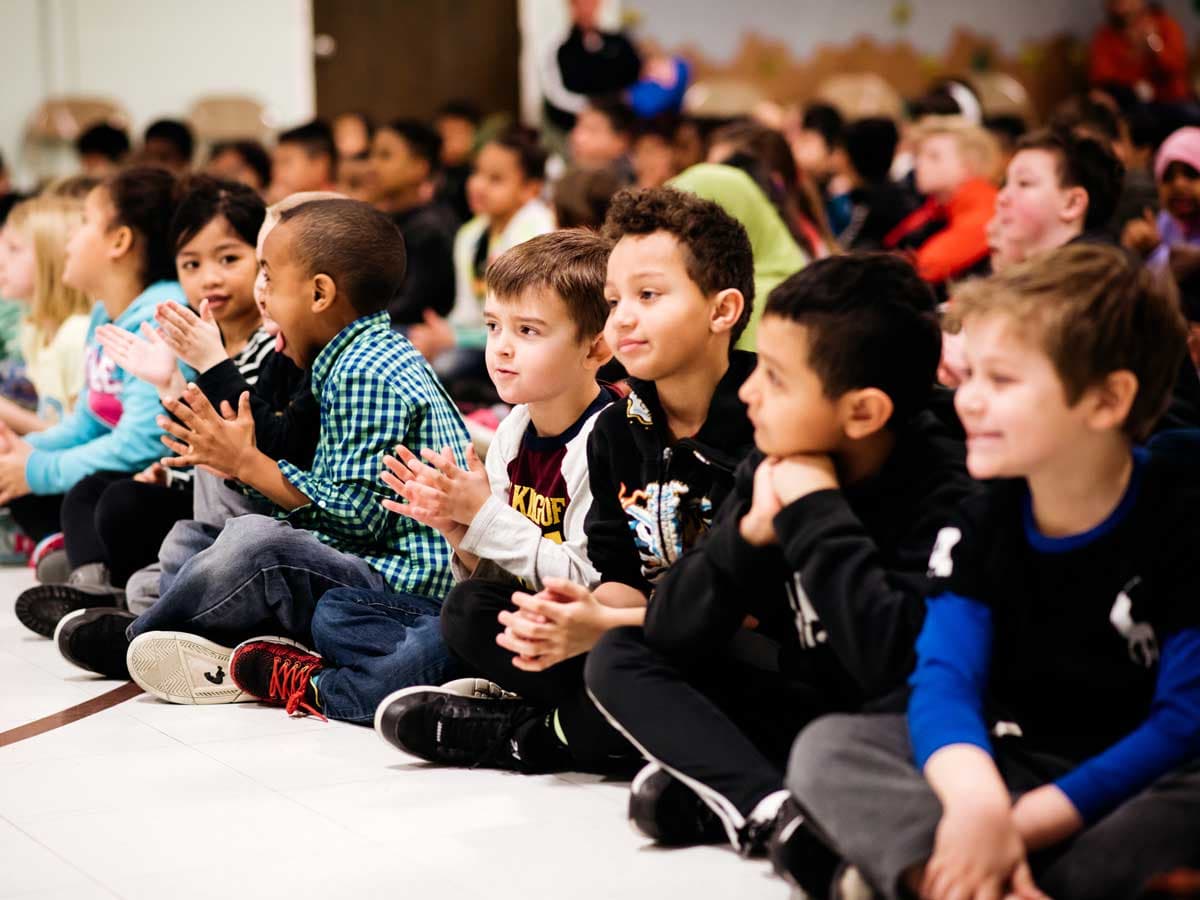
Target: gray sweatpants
x=213, y=504
x=856, y=779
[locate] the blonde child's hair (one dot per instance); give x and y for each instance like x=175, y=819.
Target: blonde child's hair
x=979, y=148
x=47, y=223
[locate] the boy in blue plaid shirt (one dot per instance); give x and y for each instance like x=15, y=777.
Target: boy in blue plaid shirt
x=331, y=266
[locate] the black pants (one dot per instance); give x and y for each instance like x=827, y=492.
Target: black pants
x=109, y=518
x=470, y=626
x=725, y=728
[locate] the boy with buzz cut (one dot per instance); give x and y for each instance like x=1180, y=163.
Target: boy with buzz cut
x=808, y=592
x=520, y=521
x=330, y=268
x=679, y=286
x=1054, y=722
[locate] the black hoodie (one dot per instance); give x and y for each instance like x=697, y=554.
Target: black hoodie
x=843, y=593
x=652, y=497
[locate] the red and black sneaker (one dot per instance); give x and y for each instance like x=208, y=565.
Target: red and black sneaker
x=278, y=671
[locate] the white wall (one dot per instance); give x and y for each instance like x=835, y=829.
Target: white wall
x=154, y=56
x=805, y=24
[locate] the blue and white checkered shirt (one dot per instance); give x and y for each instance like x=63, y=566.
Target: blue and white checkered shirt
x=375, y=391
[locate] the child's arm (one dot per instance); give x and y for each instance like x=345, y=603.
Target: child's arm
x=610, y=545
x=871, y=610
x=1166, y=740
x=81, y=445
x=20, y=419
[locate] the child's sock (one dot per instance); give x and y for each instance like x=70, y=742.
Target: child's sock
x=312, y=694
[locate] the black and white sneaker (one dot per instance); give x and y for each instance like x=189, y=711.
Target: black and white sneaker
x=41, y=608
x=94, y=640
x=669, y=812
x=802, y=859
x=480, y=688
x=183, y=668
x=442, y=726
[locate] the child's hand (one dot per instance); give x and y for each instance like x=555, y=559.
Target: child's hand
x=1045, y=817
x=434, y=337
x=1141, y=235
x=403, y=475
x=465, y=490
x=559, y=622
x=147, y=358
x=799, y=476
x=977, y=853
x=194, y=339
x=155, y=474
x=14, y=453
x=221, y=444
x=758, y=524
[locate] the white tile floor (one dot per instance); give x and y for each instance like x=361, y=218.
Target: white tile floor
x=148, y=800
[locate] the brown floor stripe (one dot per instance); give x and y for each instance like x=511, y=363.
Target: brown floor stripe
x=73, y=714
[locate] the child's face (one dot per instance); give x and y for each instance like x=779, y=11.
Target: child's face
x=653, y=161
x=18, y=266
x=785, y=398
x=293, y=170
x=594, y=142
x=939, y=165
x=89, y=251
x=287, y=297
x=394, y=167
x=498, y=187
x=1179, y=191
x=230, y=165
x=1032, y=203
x=534, y=352
x=812, y=154
x=270, y=326
x=458, y=139
x=1012, y=402
x=218, y=266
x=659, y=319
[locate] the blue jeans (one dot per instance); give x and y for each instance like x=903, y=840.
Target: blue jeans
x=375, y=642
x=257, y=575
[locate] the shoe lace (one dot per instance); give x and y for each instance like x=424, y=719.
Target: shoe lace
x=289, y=680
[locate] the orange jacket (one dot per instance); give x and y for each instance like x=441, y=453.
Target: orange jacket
x=1116, y=59
x=963, y=242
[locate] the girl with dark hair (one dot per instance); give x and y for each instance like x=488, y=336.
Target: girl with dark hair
x=121, y=255
x=212, y=235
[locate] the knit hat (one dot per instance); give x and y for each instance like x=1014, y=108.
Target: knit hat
x=1182, y=146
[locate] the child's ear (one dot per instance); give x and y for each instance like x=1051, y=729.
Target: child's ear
x=727, y=310
x=1076, y=206
x=599, y=352
x=121, y=242
x=324, y=292
x=1111, y=400
x=864, y=412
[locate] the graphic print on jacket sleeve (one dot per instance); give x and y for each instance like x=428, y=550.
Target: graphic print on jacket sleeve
x=104, y=388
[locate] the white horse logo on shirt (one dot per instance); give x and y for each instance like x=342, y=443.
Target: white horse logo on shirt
x=1143, y=645
x=941, y=562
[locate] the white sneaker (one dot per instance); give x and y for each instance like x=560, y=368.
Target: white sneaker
x=182, y=668
x=480, y=688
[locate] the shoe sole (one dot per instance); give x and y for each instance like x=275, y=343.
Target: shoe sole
x=171, y=665
x=40, y=609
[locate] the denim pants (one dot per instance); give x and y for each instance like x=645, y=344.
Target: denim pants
x=375, y=642
x=255, y=576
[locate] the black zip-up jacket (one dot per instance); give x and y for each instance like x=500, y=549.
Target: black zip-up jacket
x=287, y=418
x=843, y=592
x=652, y=498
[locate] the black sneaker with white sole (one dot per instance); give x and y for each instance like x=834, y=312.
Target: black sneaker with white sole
x=756, y=837
x=670, y=813
x=94, y=640
x=802, y=859
x=442, y=726
x=183, y=668
x=41, y=608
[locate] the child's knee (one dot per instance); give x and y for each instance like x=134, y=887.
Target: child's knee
x=813, y=753
x=468, y=612
x=609, y=660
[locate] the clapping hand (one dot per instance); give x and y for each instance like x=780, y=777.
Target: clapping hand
x=195, y=339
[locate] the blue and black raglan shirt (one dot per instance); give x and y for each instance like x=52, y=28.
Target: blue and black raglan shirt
x=375, y=391
x=1085, y=648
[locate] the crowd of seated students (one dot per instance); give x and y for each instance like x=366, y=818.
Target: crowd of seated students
x=834, y=484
